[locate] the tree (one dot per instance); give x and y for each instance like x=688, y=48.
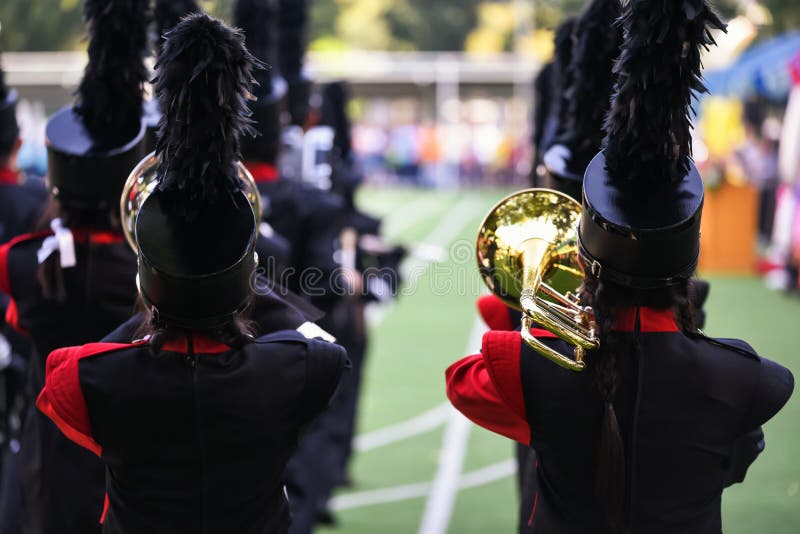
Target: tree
x=440, y=25
x=41, y=24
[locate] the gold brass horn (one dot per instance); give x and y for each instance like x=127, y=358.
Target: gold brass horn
x=528, y=256
x=143, y=180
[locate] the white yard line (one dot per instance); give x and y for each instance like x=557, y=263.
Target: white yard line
x=448, y=229
x=441, y=501
x=380, y=496
x=415, y=426
x=473, y=479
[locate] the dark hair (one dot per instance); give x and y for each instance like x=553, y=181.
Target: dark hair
x=604, y=297
x=235, y=333
x=50, y=276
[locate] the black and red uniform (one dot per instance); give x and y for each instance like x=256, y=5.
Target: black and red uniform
x=21, y=204
x=195, y=435
x=63, y=484
x=689, y=410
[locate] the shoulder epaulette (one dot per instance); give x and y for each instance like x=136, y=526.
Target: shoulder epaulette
x=738, y=346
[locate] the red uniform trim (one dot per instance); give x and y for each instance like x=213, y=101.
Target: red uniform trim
x=533, y=510
x=262, y=172
x=651, y=320
x=501, y=352
x=472, y=390
x=5, y=283
x=83, y=235
x=12, y=317
x=495, y=313
x=543, y=334
x=105, y=509
x=201, y=344
x=9, y=177
x=62, y=399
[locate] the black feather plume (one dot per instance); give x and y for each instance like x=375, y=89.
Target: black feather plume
x=256, y=18
x=659, y=70
x=110, y=94
x=168, y=13
x=595, y=48
x=333, y=113
x=3, y=87
x=292, y=37
x=562, y=74
x=203, y=81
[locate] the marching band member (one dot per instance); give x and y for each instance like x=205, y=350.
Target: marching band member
x=75, y=282
x=166, y=15
x=306, y=217
x=292, y=22
x=549, y=87
x=196, y=421
x=21, y=204
x=21, y=201
x=585, y=100
x=656, y=388
x=312, y=219
x=570, y=134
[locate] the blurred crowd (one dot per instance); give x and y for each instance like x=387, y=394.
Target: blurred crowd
x=765, y=156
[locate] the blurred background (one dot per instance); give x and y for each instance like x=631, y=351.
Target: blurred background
x=442, y=126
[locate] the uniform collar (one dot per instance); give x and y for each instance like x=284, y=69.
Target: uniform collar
x=650, y=320
x=102, y=237
x=262, y=172
x=9, y=177
x=201, y=344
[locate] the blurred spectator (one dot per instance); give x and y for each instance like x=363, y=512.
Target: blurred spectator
x=758, y=158
x=784, y=250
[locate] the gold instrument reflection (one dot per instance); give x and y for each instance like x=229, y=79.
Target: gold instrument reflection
x=143, y=180
x=527, y=253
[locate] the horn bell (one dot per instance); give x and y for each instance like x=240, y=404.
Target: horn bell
x=527, y=252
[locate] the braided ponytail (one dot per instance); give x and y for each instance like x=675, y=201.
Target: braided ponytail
x=610, y=471
x=604, y=297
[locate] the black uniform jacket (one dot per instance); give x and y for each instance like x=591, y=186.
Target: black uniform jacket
x=62, y=483
x=20, y=208
x=21, y=205
x=685, y=405
x=195, y=436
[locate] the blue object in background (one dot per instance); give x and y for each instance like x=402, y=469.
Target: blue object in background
x=762, y=70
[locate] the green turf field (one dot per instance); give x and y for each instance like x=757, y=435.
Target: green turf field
x=430, y=327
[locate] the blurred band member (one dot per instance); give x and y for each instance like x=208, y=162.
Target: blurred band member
x=549, y=86
x=21, y=203
x=196, y=421
x=75, y=282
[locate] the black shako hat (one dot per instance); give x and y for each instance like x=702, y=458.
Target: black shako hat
x=9, y=129
x=257, y=19
x=167, y=15
x=292, y=42
x=196, y=232
x=595, y=42
x=94, y=145
x=643, y=196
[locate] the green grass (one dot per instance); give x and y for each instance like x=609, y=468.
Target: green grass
x=426, y=331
